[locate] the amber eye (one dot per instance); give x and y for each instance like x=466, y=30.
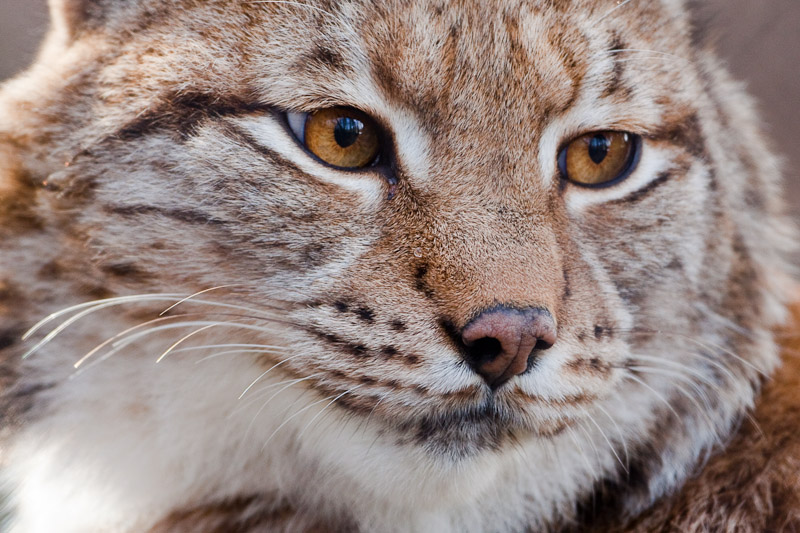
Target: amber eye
x=600, y=159
x=339, y=136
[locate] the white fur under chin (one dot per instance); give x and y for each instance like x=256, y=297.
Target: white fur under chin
x=102, y=459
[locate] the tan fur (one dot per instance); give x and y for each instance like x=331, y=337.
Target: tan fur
x=753, y=485
x=146, y=153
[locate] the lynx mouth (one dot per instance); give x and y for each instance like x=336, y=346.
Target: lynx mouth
x=470, y=430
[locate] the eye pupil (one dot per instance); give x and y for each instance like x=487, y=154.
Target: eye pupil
x=347, y=131
x=598, y=148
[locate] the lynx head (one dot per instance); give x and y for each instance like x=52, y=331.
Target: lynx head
x=500, y=238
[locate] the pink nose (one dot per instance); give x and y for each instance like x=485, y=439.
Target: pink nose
x=503, y=342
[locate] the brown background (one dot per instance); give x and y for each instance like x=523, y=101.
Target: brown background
x=759, y=38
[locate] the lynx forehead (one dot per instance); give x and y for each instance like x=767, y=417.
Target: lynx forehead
x=426, y=266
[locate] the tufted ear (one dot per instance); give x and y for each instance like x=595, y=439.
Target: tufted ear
x=76, y=16
x=703, y=16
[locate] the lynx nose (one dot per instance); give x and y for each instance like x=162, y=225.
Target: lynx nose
x=501, y=342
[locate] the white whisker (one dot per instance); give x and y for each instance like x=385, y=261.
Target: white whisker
x=590, y=440
x=374, y=407
x=620, y=434
x=93, y=307
x=97, y=305
x=228, y=352
x=608, y=441
x=660, y=371
x=262, y=314
x=258, y=393
x=589, y=467
x=121, y=299
x=653, y=52
x=629, y=375
x=123, y=339
x=270, y=369
x=181, y=340
x=713, y=361
x=232, y=345
x=179, y=302
x=304, y=409
x=704, y=412
x=321, y=411
x=269, y=400
x=710, y=313
x=680, y=367
x=110, y=340
x=710, y=347
x=199, y=323
x=122, y=342
x=613, y=9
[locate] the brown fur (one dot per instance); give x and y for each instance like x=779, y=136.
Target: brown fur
x=147, y=152
x=240, y=516
x=753, y=485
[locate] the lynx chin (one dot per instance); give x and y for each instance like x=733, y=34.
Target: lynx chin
x=447, y=266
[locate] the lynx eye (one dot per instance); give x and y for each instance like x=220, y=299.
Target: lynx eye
x=600, y=159
x=339, y=136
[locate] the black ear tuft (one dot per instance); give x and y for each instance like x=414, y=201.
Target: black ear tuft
x=77, y=16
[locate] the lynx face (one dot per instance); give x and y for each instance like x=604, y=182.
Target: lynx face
x=462, y=251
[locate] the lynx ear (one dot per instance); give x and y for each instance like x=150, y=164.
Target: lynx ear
x=76, y=16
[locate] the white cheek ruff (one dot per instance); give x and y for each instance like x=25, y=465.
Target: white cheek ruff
x=267, y=132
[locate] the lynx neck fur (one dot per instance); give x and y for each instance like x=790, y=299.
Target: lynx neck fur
x=391, y=266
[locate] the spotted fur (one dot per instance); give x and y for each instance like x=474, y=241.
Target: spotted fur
x=307, y=372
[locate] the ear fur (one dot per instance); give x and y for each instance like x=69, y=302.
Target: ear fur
x=76, y=16
x=703, y=24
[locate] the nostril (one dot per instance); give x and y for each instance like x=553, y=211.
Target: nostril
x=533, y=358
x=542, y=345
x=483, y=351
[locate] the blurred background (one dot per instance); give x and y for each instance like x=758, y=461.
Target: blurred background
x=760, y=39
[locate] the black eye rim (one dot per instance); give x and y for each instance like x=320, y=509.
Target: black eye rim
x=633, y=161
x=382, y=164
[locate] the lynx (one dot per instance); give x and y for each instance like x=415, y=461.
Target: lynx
x=382, y=265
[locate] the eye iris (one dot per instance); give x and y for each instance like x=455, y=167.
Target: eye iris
x=342, y=137
x=347, y=130
x=598, y=148
x=600, y=158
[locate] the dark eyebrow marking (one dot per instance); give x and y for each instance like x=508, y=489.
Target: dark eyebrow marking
x=235, y=132
x=321, y=56
x=686, y=132
x=182, y=112
x=615, y=81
